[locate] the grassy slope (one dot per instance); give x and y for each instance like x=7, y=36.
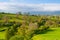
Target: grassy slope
x=2, y=35
x=52, y=35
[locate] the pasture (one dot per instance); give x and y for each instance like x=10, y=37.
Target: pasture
x=53, y=34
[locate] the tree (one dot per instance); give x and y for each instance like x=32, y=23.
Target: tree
x=9, y=33
x=20, y=13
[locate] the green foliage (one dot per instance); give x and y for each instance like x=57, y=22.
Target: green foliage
x=25, y=25
x=9, y=33
x=17, y=37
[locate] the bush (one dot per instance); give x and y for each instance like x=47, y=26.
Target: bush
x=43, y=28
x=17, y=37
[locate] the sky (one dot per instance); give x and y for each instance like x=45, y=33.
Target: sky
x=29, y=5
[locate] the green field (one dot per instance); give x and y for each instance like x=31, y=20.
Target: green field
x=54, y=34
x=29, y=27
x=2, y=35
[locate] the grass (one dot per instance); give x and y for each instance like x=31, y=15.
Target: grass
x=50, y=35
x=53, y=34
x=2, y=33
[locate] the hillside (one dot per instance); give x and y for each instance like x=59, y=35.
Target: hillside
x=28, y=27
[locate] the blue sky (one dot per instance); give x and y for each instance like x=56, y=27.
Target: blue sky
x=29, y=5
x=32, y=1
x=40, y=1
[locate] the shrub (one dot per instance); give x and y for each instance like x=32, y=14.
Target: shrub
x=17, y=37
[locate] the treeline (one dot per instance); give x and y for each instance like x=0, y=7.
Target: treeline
x=25, y=26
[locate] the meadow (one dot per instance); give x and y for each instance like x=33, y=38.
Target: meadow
x=51, y=35
x=29, y=27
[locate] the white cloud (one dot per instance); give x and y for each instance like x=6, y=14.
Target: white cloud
x=51, y=7
x=14, y=7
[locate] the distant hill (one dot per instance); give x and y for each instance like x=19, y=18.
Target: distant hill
x=46, y=12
